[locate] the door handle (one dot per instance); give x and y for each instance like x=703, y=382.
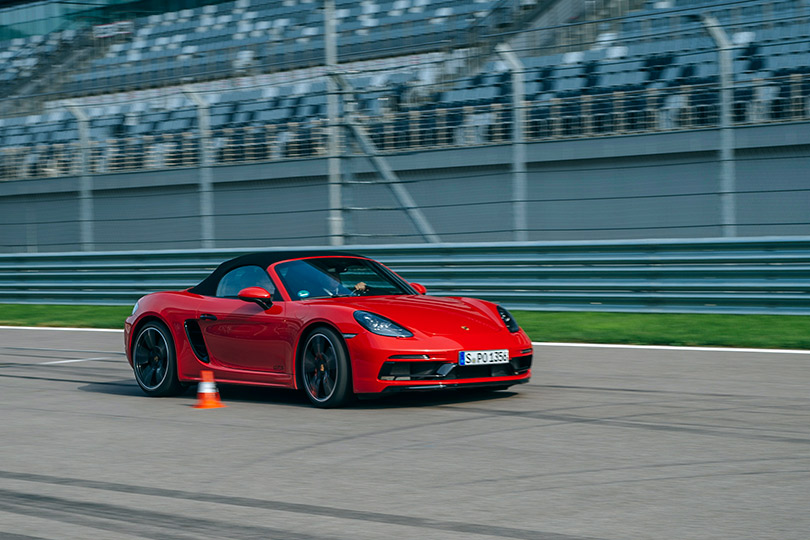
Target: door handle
x=208, y=317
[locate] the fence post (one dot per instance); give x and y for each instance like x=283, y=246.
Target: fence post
x=206, y=181
x=85, y=181
x=727, y=166
x=336, y=234
x=519, y=188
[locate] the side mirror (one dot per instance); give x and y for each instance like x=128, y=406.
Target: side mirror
x=257, y=295
x=419, y=288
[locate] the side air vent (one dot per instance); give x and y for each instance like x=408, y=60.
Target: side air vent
x=195, y=337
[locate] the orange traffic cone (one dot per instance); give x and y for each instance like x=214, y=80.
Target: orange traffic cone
x=207, y=393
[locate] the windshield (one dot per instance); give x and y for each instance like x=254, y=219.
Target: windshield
x=330, y=277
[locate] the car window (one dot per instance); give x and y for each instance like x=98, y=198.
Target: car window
x=245, y=276
x=328, y=277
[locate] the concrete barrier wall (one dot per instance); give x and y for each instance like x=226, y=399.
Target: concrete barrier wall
x=623, y=187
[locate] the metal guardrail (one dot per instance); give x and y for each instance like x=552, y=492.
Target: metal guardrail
x=753, y=275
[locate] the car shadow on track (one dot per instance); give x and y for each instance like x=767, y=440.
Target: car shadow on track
x=257, y=394
x=124, y=387
x=293, y=398
x=431, y=399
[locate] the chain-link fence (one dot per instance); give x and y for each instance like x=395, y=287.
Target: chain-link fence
x=688, y=107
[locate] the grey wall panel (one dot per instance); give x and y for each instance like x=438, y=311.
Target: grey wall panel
x=16, y=224
x=38, y=185
x=381, y=226
x=646, y=197
x=773, y=210
x=774, y=191
x=772, y=230
x=143, y=179
x=375, y=215
x=147, y=218
x=270, y=196
x=289, y=169
x=39, y=222
x=770, y=170
x=623, y=218
x=471, y=221
x=462, y=186
x=270, y=230
x=270, y=213
x=624, y=177
x=460, y=203
x=447, y=159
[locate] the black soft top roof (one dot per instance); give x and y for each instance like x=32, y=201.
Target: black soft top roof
x=208, y=286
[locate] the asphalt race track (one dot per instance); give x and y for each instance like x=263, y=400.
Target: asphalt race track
x=602, y=444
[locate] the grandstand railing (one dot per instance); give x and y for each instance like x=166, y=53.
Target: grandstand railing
x=686, y=107
x=755, y=275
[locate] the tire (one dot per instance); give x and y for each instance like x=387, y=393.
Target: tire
x=154, y=361
x=325, y=374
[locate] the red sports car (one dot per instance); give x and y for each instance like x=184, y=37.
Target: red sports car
x=333, y=324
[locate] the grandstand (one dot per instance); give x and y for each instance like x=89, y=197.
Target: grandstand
x=657, y=71
x=424, y=73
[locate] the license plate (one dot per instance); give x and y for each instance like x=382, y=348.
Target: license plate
x=470, y=358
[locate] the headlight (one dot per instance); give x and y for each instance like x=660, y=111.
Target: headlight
x=135, y=308
x=379, y=325
x=508, y=320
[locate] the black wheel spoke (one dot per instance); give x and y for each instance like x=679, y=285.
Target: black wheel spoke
x=147, y=374
x=310, y=365
x=160, y=371
x=327, y=384
x=141, y=356
x=331, y=361
x=314, y=385
x=149, y=338
x=317, y=346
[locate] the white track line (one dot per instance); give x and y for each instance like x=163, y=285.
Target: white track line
x=74, y=360
x=538, y=343
x=671, y=348
x=56, y=350
x=60, y=329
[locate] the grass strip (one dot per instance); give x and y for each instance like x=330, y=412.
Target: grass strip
x=707, y=330
x=63, y=315
x=710, y=330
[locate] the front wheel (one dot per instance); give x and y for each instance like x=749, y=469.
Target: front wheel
x=154, y=361
x=325, y=370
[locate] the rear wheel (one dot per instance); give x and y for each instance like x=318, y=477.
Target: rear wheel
x=154, y=361
x=325, y=370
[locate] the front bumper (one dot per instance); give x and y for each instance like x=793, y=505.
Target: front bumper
x=384, y=364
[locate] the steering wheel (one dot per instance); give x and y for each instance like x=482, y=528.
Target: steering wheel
x=361, y=289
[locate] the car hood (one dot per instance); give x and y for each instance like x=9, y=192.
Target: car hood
x=432, y=315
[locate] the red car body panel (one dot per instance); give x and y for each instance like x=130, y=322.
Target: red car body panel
x=247, y=344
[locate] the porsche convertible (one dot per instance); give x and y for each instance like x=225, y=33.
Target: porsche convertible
x=334, y=325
